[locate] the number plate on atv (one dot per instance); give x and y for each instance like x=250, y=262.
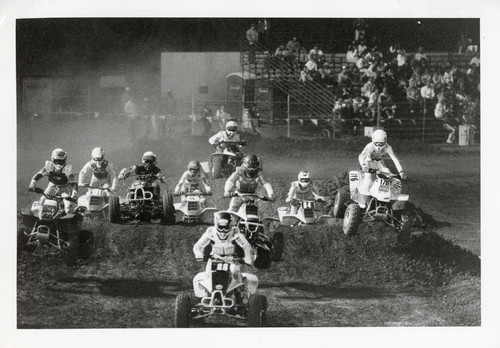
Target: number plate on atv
x=384, y=186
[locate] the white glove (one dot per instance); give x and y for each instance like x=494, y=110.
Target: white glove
x=402, y=175
x=227, y=194
x=177, y=192
x=74, y=194
x=365, y=168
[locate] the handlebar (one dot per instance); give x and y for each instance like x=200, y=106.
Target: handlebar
x=241, y=142
x=193, y=194
x=62, y=196
x=243, y=195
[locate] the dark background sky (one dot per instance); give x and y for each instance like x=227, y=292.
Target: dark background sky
x=47, y=47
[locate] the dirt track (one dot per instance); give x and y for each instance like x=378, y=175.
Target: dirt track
x=323, y=280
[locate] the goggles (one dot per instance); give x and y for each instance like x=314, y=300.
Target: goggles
x=148, y=161
x=305, y=180
x=59, y=161
x=231, y=129
x=379, y=144
x=193, y=170
x=98, y=159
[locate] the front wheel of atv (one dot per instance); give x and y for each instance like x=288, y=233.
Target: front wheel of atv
x=405, y=226
x=168, y=217
x=352, y=219
x=182, y=310
x=114, y=209
x=257, y=307
x=340, y=203
x=86, y=244
x=70, y=251
x=278, y=245
x=217, y=167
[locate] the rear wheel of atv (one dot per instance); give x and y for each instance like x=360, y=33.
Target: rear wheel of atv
x=263, y=259
x=278, y=244
x=114, y=209
x=182, y=310
x=352, y=219
x=168, y=217
x=257, y=307
x=341, y=199
x=86, y=244
x=70, y=252
x=217, y=167
x=405, y=226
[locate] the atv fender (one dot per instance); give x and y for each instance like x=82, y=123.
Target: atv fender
x=206, y=167
x=289, y=220
x=199, y=289
x=271, y=224
x=401, y=202
x=252, y=282
x=207, y=215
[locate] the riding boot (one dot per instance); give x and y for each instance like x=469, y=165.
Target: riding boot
x=363, y=200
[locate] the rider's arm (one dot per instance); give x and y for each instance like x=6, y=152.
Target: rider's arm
x=213, y=140
x=112, y=176
x=364, y=155
x=391, y=154
x=291, y=193
x=231, y=183
x=266, y=184
x=125, y=172
x=247, y=249
x=177, y=188
x=315, y=192
x=40, y=174
x=84, y=173
x=201, y=244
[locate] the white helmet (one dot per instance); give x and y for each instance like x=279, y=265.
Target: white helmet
x=379, y=138
x=223, y=224
x=231, y=128
x=98, y=156
x=304, y=178
x=59, y=158
x=149, y=158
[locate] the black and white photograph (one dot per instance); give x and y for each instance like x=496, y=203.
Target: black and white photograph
x=305, y=177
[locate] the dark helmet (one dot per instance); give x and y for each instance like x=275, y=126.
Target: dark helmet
x=251, y=165
x=223, y=224
x=194, y=166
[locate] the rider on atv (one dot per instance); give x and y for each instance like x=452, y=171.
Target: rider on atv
x=194, y=179
x=246, y=179
x=230, y=134
x=224, y=239
x=102, y=172
x=61, y=178
x=301, y=189
x=371, y=158
x=148, y=167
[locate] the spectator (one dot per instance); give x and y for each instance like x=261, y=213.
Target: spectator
x=311, y=64
x=359, y=29
x=343, y=78
x=315, y=53
x=367, y=88
x=171, y=104
x=264, y=31
x=293, y=46
x=361, y=47
x=412, y=96
x=132, y=113
x=475, y=61
x=205, y=119
x=441, y=113
x=352, y=54
x=253, y=115
x=253, y=38
x=326, y=74
x=427, y=93
x=221, y=116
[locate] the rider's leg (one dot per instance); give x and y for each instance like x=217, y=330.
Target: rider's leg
x=364, y=188
x=156, y=189
x=293, y=208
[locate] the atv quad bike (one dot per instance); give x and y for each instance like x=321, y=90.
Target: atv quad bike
x=94, y=204
x=192, y=211
x=223, y=164
x=307, y=214
x=386, y=203
x=256, y=230
x=46, y=223
x=218, y=293
x=141, y=205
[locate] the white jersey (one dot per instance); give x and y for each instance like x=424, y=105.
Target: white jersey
x=371, y=153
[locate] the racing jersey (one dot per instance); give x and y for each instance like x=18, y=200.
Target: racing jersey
x=296, y=191
x=370, y=153
x=240, y=182
x=61, y=177
x=193, y=182
x=106, y=171
x=222, y=136
x=223, y=247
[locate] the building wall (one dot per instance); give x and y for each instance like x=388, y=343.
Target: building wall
x=186, y=72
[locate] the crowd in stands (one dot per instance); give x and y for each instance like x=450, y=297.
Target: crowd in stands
x=377, y=83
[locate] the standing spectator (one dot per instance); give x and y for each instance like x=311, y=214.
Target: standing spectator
x=206, y=117
x=343, y=78
x=151, y=111
x=427, y=93
x=264, y=31
x=412, y=96
x=171, y=104
x=367, y=88
x=352, y=54
x=359, y=29
x=131, y=110
x=441, y=113
x=315, y=53
x=361, y=47
x=326, y=74
x=222, y=117
x=475, y=61
x=252, y=38
x=254, y=118
x=293, y=46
